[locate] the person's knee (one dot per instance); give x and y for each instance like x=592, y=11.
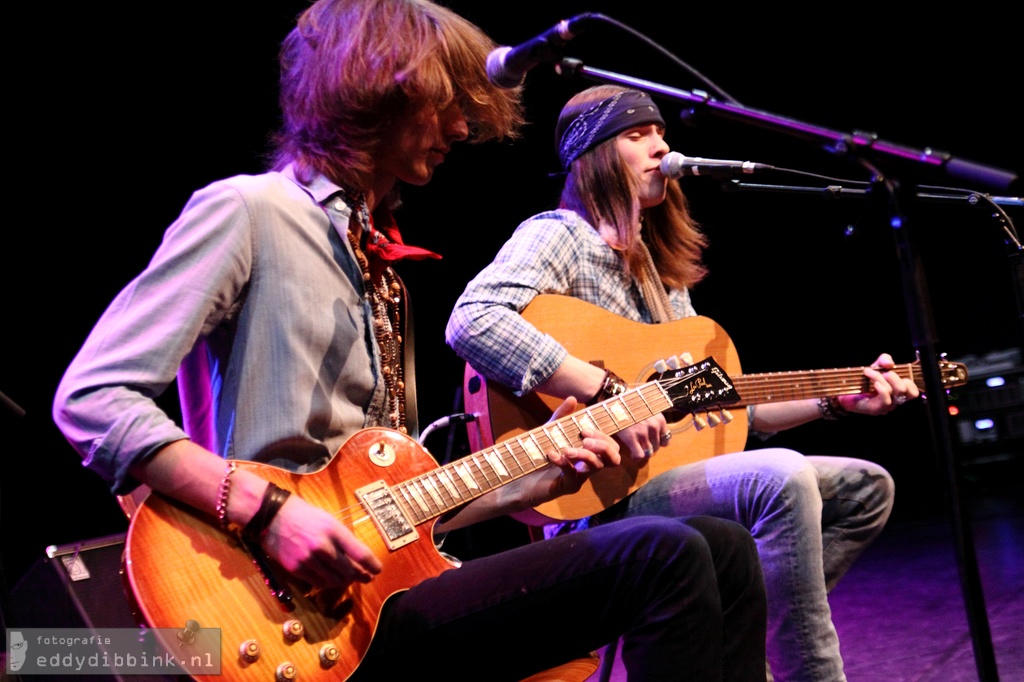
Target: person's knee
x=880, y=493
x=730, y=543
x=791, y=475
x=661, y=534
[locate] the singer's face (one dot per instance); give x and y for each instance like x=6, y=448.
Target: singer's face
x=641, y=148
x=419, y=142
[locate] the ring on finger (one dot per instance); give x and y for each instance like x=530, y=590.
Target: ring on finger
x=666, y=437
x=648, y=452
x=900, y=399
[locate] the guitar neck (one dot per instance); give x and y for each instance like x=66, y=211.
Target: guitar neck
x=452, y=485
x=755, y=389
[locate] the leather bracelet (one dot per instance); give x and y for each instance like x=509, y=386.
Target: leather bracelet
x=831, y=409
x=222, y=495
x=273, y=498
x=611, y=386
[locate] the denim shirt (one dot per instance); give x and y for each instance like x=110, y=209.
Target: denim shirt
x=254, y=302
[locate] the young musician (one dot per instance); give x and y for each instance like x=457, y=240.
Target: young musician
x=274, y=300
x=622, y=238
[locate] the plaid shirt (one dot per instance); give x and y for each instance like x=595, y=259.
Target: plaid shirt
x=556, y=252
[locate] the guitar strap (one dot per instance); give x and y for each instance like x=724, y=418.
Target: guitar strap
x=651, y=288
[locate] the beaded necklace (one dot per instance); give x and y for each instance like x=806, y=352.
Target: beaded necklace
x=385, y=299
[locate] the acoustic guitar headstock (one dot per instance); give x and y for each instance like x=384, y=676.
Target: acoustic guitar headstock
x=696, y=389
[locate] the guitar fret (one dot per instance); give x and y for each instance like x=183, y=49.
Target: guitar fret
x=485, y=472
x=660, y=400
x=417, y=497
x=431, y=488
x=534, y=454
x=530, y=447
x=558, y=438
x=512, y=459
x=619, y=411
x=496, y=463
x=464, y=491
x=606, y=420
x=463, y=471
x=409, y=503
x=449, y=484
x=650, y=410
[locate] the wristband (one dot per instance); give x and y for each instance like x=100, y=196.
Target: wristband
x=273, y=498
x=831, y=409
x=611, y=386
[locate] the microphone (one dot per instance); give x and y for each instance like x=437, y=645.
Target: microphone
x=675, y=165
x=507, y=66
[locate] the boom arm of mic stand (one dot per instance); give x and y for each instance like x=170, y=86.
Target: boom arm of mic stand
x=853, y=144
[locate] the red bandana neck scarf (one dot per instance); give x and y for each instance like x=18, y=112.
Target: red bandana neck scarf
x=384, y=245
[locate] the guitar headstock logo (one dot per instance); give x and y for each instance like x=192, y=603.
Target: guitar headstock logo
x=723, y=378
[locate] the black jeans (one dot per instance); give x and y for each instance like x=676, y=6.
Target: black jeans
x=685, y=595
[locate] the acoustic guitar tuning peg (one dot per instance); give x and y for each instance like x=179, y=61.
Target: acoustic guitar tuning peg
x=674, y=363
x=660, y=366
x=714, y=419
x=687, y=359
x=726, y=416
x=699, y=422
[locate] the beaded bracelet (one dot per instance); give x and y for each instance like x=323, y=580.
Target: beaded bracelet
x=273, y=498
x=611, y=386
x=831, y=409
x=222, y=495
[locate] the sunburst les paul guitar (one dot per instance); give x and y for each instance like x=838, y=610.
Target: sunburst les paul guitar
x=630, y=349
x=185, y=574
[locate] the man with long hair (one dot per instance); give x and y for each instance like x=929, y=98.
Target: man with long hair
x=275, y=301
x=623, y=239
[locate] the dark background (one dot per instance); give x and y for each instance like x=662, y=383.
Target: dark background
x=118, y=115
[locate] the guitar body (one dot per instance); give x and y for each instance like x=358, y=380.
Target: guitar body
x=629, y=349
x=181, y=567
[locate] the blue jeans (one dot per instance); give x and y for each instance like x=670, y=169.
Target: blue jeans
x=685, y=595
x=811, y=517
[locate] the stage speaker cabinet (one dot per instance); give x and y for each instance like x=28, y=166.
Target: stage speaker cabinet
x=78, y=585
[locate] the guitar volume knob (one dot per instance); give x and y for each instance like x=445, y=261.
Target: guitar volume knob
x=285, y=672
x=293, y=630
x=249, y=650
x=329, y=655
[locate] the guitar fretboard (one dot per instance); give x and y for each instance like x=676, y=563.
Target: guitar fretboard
x=452, y=485
x=771, y=387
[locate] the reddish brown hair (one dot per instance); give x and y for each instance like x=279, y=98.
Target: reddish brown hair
x=351, y=67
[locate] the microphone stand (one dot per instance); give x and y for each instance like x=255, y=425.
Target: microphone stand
x=897, y=197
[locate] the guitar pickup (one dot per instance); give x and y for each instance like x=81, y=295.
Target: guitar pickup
x=387, y=515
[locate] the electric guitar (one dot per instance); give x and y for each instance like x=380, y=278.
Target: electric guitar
x=627, y=348
x=183, y=572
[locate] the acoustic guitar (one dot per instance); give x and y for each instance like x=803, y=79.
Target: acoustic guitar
x=184, y=573
x=631, y=349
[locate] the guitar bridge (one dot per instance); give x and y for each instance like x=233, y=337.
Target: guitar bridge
x=387, y=515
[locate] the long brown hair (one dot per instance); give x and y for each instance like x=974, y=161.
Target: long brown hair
x=351, y=67
x=600, y=187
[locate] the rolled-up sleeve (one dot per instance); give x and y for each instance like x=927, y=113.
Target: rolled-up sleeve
x=485, y=327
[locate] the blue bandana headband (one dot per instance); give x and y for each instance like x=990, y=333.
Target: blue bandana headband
x=605, y=119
